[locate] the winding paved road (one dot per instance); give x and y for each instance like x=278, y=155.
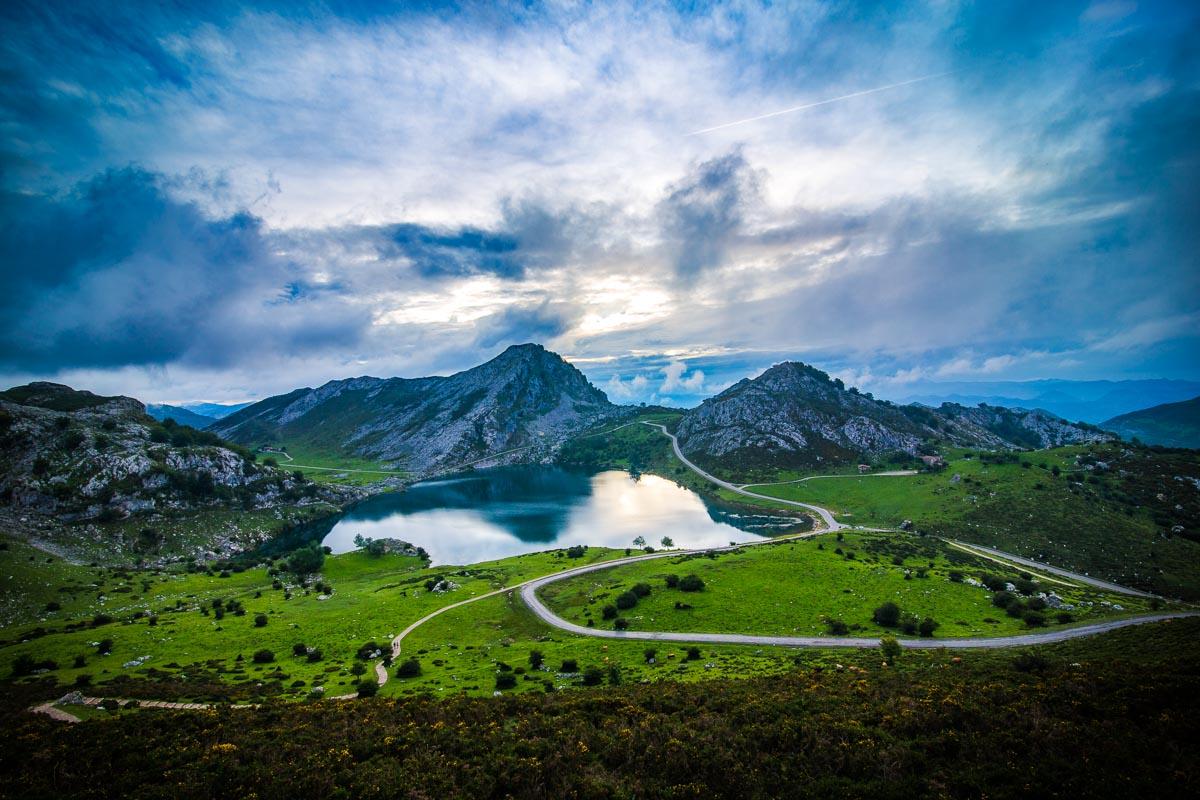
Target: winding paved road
x=530, y=588
x=830, y=523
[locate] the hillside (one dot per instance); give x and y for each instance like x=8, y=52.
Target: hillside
x=1170, y=425
x=794, y=415
x=181, y=415
x=527, y=398
x=94, y=475
x=830, y=725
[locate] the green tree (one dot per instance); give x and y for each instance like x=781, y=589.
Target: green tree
x=306, y=560
x=887, y=615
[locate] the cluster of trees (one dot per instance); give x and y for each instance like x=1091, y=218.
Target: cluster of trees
x=890, y=615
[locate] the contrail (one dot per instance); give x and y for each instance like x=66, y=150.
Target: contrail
x=821, y=103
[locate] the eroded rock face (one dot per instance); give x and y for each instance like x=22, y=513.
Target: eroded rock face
x=794, y=414
x=527, y=398
x=76, y=458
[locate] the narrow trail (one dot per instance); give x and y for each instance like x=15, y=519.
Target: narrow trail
x=895, y=473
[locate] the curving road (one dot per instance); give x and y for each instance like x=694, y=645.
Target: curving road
x=530, y=588
x=830, y=523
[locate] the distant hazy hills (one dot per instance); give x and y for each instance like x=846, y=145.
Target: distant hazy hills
x=180, y=415
x=1170, y=424
x=795, y=415
x=197, y=415
x=524, y=398
x=1088, y=401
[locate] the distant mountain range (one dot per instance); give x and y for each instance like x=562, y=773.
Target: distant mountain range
x=1170, y=424
x=1086, y=401
x=526, y=399
x=794, y=415
x=181, y=415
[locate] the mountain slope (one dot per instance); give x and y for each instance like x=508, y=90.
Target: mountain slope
x=523, y=398
x=1171, y=424
x=180, y=415
x=794, y=415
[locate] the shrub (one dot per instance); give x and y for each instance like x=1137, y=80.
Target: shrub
x=260, y=620
x=1003, y=599
x=368, y=650
x=693, y=654
x=956, y=577
x=358, y=668
x=299, y=649
x=837, y=627
x=609, y=612
x=927, y=626
x=641, y=589
x=1025, y=586
x=691, y=583
x=368, y=688
x=536, y=658
x=1015, y=609
x=104, y=647
x=649, y=653
x=1030, y=661
x=672, y=581
x=887, y=615
x=1035, y=604
x=408, y=669
x=1034, y=619
x=626, y=601
x=621, y=623
x=315, y=655
x=569, y=665
x=506, y=680
x=890, y=648
x=53, y=606
x=1064, y=617
x=263, y=656
x=593, y=676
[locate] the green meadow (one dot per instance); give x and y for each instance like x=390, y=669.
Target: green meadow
x=55, y=611
x=1099, y=524
x=798, y=587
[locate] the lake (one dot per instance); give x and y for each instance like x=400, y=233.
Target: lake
x=506, y=511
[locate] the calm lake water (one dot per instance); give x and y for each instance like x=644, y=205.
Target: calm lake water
x=507, y=511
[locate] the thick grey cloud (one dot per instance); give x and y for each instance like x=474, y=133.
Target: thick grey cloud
x=118, y=273
x=701, y=213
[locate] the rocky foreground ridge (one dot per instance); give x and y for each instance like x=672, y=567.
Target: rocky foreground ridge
x=100, y=463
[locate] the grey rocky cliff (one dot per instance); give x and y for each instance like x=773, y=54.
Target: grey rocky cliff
x=796, y=415
x=526, y=398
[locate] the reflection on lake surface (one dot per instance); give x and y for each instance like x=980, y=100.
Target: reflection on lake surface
x=506, y=511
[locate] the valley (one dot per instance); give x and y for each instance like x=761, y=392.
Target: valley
x=616, y=553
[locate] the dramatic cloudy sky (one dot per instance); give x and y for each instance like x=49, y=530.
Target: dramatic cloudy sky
x=225, y=203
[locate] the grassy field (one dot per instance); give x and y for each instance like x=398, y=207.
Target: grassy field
x=373, y=598
x=793, y=588
x=466, y=649
x=1091, y=523
x=335, y=468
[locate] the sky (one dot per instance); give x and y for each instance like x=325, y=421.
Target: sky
x=224, y=201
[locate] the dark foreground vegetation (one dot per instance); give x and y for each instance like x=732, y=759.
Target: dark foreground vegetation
x=1112, y=716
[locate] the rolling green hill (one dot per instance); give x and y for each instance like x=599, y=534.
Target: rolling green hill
x=1170, y=425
